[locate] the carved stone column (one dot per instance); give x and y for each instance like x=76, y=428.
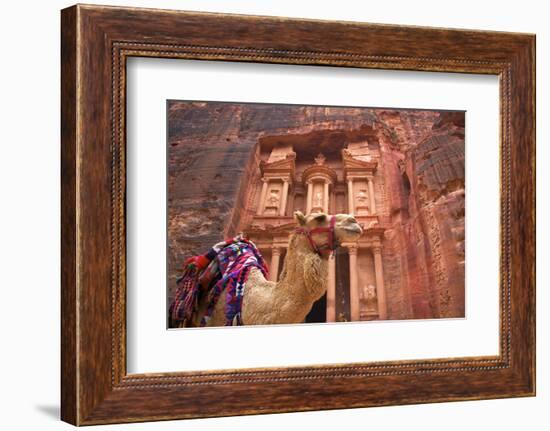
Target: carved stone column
x=325, y=198
x=351, y=210
x=261, y=204
x=309, y=197
x=353, y=284
x=331, y=289
x=371, y=196
x=282, y=210
x=380, y=288
x=274, y=267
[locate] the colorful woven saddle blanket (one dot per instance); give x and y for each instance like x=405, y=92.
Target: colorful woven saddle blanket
x=224, y=269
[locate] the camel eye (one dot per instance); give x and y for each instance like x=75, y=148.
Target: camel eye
x=352, y=220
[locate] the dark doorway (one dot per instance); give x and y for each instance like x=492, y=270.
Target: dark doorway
x=318, y=313
x=343, y=313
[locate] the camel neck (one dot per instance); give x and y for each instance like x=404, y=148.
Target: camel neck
x=304, y=272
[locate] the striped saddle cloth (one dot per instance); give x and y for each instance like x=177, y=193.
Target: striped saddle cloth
x=224, y=268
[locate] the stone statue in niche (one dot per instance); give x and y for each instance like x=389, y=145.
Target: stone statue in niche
x=362, y=197
x=362, y=202
x=318, y=203
x=273, y=199
x=367, y=295
x=272, y=202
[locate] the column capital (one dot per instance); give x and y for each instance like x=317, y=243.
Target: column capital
x=276, y=250
x=352, y=248
x=376, y=249
x=283, y=178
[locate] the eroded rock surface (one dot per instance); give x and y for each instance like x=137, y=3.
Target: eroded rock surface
x=213, y=159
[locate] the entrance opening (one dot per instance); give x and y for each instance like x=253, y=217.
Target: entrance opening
x=318, y=313
x=343, y=313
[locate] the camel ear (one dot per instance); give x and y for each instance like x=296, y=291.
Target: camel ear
x=320, y=218
x=300, y=218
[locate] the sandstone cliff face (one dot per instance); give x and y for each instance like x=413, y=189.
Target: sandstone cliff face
x=419, y=187
x=211, y=150
x=424, y=248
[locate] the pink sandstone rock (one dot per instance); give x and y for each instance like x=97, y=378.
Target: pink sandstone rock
x=214, y=155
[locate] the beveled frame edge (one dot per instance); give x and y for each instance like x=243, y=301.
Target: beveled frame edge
x=96, y=41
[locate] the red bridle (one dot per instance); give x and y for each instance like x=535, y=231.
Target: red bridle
x=331, y=244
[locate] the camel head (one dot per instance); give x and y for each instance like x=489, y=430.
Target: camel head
x=346, y=228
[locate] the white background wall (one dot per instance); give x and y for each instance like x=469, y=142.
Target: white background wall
x=29, y=226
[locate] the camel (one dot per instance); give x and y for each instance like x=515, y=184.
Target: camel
x=304, y=276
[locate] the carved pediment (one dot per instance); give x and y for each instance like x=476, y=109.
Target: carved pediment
x=283, y=166
x=356, y=166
